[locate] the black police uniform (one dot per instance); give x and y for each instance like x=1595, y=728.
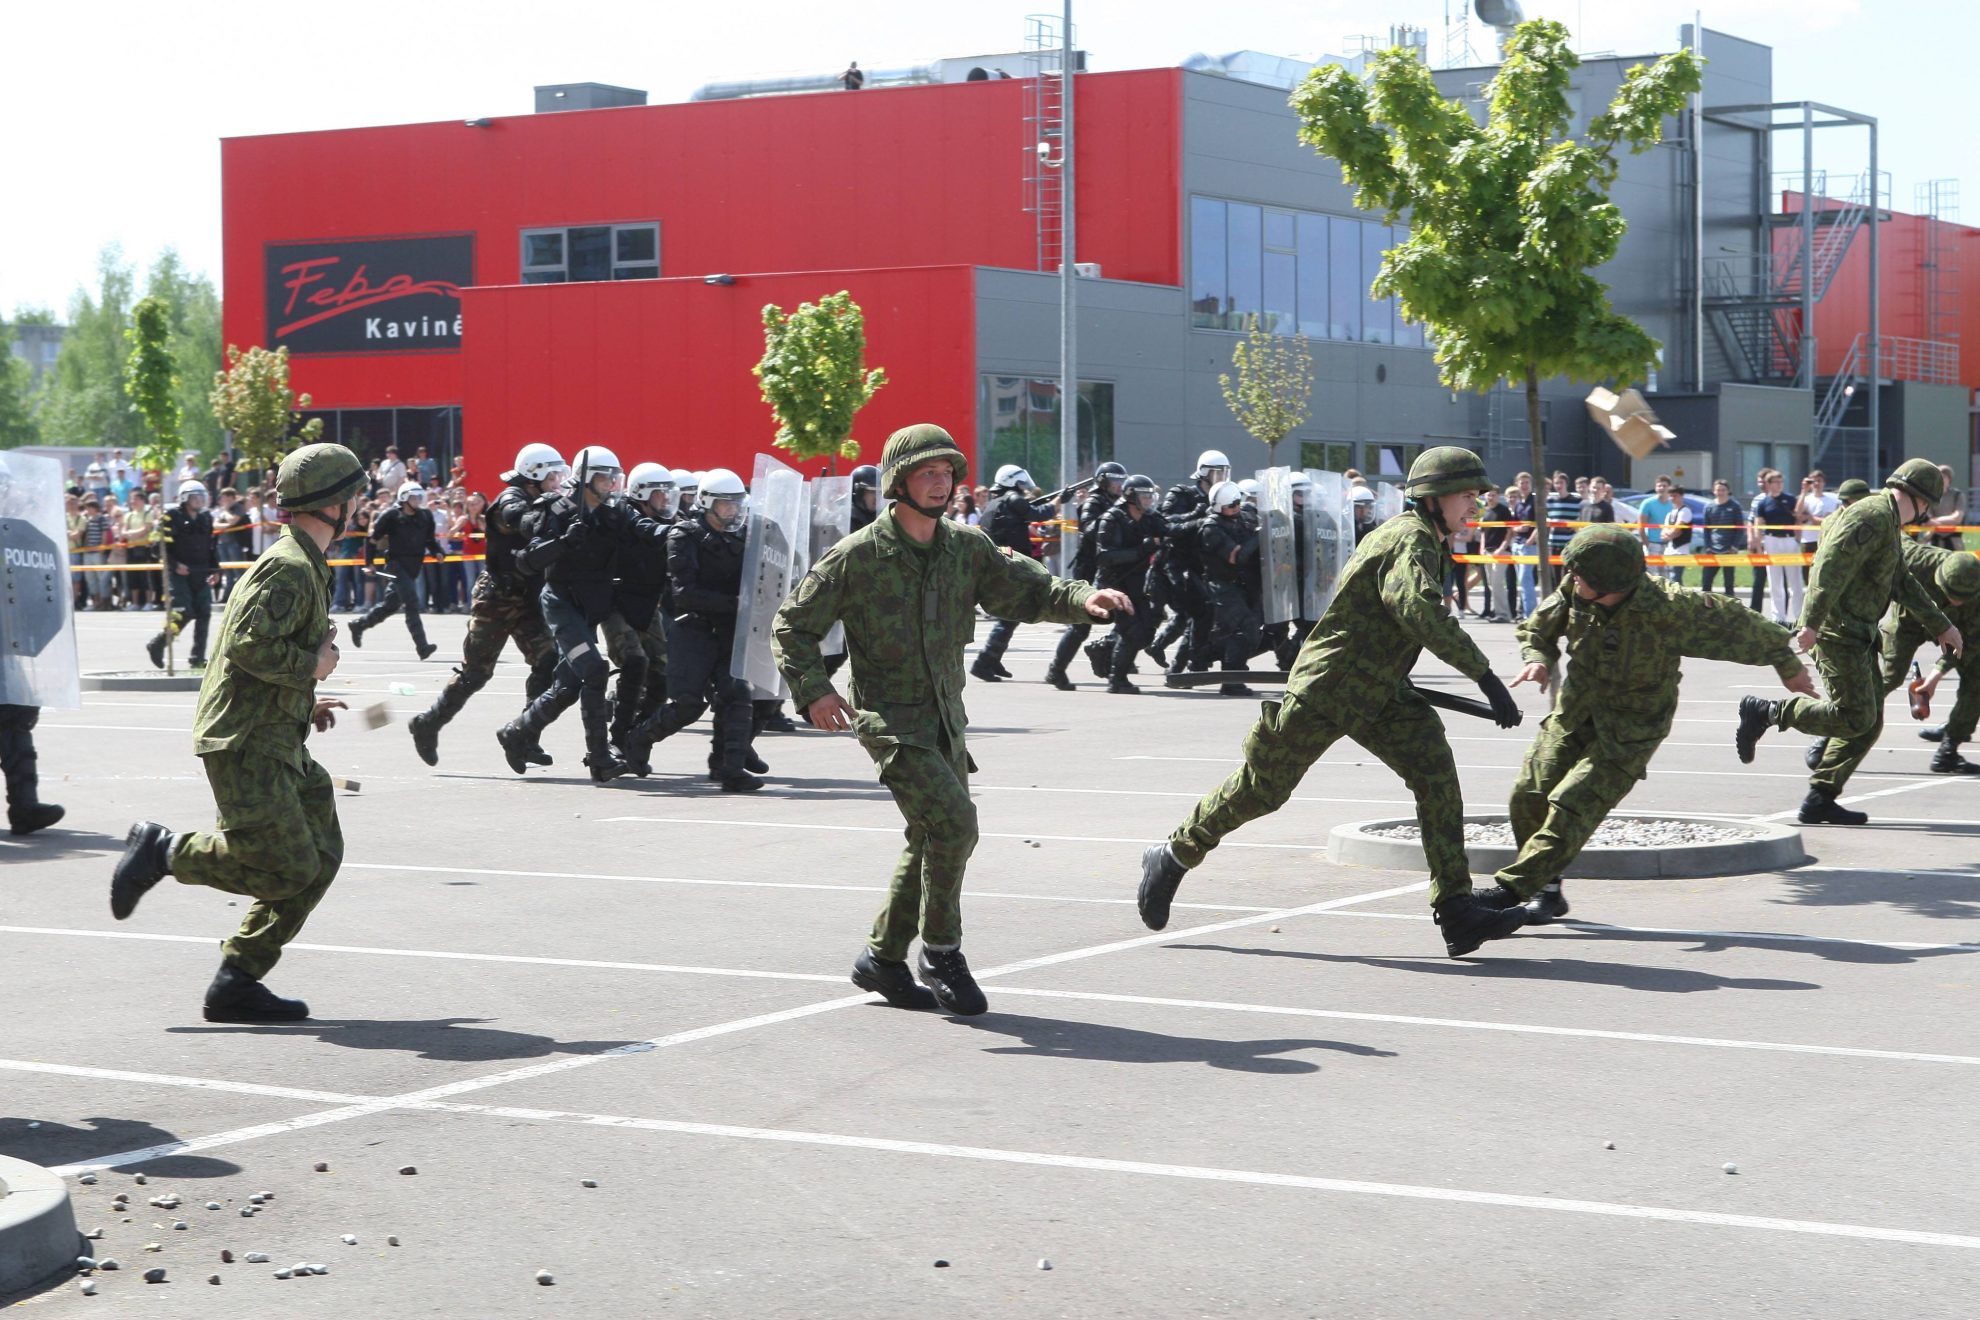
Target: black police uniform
x=636, y=635
x=26, y=812
x=1126, y=551
x=191, y=547
x=1085, y=561
x=408, y=535
x=1008, y=523
x=1238, y=624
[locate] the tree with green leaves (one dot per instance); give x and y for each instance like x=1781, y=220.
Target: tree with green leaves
x=251, y=398
x=814, y=375
x=1506, y=218
x=17, y=421
x=1274, y=386
x=151, y=379
x=195, y=346
x=83, y=400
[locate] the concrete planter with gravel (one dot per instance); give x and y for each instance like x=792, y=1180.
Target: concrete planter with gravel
x=37, y=1225
x=1626, y=847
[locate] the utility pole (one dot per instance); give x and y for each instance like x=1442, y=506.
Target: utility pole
x=1068, y=349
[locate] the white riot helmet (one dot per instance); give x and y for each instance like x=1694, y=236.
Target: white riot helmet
x=721, y=484
x=188, y=489
x=1302, y=486
x=647, y=480
x=1361, y=495
x=689, y=486
x=539, y=463
x=410, y=491
x=594, y=461
x=1012, y=477
x=1212, y=464
x=1224, y=494
x=1250, y=488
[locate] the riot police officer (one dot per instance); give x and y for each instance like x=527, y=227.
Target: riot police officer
x=1288, y=646
x=635, y=630
x=1008, y=523
x=688, y=486
x=191, y=570
x=505, y=605
x=1130, y=533
x=866, y=495
x=1180, y=583
x=1229, y=548
x=407, y=532
x=575, y=543
x=704, y=563
x=1107, y=479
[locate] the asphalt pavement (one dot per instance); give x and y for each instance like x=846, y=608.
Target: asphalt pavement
x=1748, y=1095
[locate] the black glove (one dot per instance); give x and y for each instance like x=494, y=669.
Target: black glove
x=1505, y=711
x=579, y=530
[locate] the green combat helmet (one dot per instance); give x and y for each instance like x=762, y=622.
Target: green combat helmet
x=1852, y=490
x=912, y=445
x=1959, y=577
x=317, y=476
x=1445, y=470
x=1920, y=478
x=1607, y=558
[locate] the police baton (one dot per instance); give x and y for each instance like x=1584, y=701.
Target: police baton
x=1059, y=496
x=1451, y=701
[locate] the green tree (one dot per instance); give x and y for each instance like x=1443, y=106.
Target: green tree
x=251, y=399
x=1506, y=218
x=1274, y=386
x=151, y=379
x=195, y=346
x=83, y=401
x=17, y=420
x=814, y=375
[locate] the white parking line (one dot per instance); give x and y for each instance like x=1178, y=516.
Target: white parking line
x=1937, y=782
x=895, y=829
x=1766, y=937
x=1655, y=774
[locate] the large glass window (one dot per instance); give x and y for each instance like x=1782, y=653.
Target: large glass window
x=578, y=253
x=1326, y=455
x=1019, y=423
x=1297, y=271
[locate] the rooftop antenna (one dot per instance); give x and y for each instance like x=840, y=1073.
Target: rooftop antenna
x=1459, y=53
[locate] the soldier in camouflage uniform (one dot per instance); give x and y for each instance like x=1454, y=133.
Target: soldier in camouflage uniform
x=906, y=588
x=1952, y=579
x=276, y=839
x=1858, y=574
x=1350, y=680
x=505, y=606
x=1625, y=633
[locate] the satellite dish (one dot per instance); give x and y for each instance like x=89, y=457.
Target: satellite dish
x=1500, y=13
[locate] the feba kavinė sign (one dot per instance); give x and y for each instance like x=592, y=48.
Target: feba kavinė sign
x=368, y=295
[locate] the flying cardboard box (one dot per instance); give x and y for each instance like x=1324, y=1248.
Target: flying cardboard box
x=1629, y=421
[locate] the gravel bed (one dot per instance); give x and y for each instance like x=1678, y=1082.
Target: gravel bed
x=1627, y=833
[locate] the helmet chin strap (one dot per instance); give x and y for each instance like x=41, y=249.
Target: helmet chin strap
x=1430, y=506
x=336, y=525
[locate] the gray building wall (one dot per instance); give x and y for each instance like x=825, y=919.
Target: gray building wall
x=1926, y=421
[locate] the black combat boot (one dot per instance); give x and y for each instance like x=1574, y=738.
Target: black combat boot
x=1001, y=671
x=1821, y=808
x=1056, y=676
x=1498, y=897
x=426, y=649
x=519, y=736
x=1160, y=655
x=356, y=633
x=890, y=980
x=771, y=717
x=1161, y=876
x=1467, y=923
x=625, y=703
x=427, y=724
x=1099, y=654
x=26, y=812
x=1549, y=905
x=1119, y=684
x=985, y=670
x=599, y=758
x=147, y=859
x=947, y=974
x=753, y=763
x=1813, y=757
x=1933, y=733
x=1235, y=690
x=235, y=996
x=1120, y=665
x=26, y=818
x=1950, y=762
x=1756, y=716
x=155, y=648
x=669, y=720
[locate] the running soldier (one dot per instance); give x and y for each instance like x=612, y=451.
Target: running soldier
x=1008, y=523
x=1858, y=574
x=906, y=588
x=505, y=606
x=276, y=838
x=1351, y=680
x=1952, y=579
x=192, y=571
x=636, y=629
x=1107, y=479
x=407, y=532
x=1625, y=634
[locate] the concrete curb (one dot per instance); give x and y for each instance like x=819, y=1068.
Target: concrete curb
x=38, y=1234
x=141, y=682
x=1773, y=847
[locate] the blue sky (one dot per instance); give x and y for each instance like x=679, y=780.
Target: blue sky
x=118, y=108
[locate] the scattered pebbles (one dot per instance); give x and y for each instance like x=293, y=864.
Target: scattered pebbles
x=1616, y=832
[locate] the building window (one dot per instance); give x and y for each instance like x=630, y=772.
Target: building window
x=581, y=253
x=1386, y=460
x=1296, y=271
x=1020, y=424
x=1326, y=455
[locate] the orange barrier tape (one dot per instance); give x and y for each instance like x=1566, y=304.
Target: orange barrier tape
x=249, y=563
x=1701, y=560
x=1789, y=529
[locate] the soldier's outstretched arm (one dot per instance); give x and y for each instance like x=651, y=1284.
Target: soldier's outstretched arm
x=1916, y=601
x=1018, y=587
x=1416, y=599
x=798, y=634
x=266, y=644
x=1539, y=633
x=1722, y=628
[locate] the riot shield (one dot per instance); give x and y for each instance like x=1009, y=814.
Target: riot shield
x=1329, y=541
x=37, y=632
x=831, y=520
x=774, y=547
x=1388, y=502
x=1278, y=556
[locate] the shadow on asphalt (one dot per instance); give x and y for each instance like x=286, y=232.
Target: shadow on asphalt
x=57, y=842
x=1661, y=980
x=447, y=1040
x=1828, y=951
x=1056, y=1039
x=1922, y=895
x=93, y=1138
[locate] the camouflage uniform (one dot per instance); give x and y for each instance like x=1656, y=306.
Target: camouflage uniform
x=1351, y=680
x=1857, y=575
x=909, y=610
x=1931, y=568
x=1619, y=695
x=276, y=839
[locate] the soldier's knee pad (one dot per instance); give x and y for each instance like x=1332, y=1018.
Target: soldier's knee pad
x=587, y=665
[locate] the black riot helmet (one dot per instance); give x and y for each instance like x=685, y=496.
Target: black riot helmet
x=1109, y=476
x=866, y=477
x=1141, y=490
